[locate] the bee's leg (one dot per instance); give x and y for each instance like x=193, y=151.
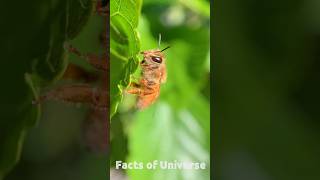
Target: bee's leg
x=135, y=90
x=134, y=84
x=82, y=93
x=140, y=91
x=99, y=62
x=149, y=90
x=141, y=88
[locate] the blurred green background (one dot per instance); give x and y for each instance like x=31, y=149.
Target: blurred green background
x=46, y=142
x=177, y=125
x=266, y=89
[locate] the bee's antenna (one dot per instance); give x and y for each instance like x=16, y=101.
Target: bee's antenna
x=165, y=48
x=159, y=41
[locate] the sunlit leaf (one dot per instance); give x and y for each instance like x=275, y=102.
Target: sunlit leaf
x=125, y=46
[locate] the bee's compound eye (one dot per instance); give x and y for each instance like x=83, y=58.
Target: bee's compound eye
x=156, y=59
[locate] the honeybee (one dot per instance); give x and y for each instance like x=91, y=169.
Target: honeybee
x=154, y=74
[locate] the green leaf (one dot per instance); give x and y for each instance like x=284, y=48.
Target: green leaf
x=165, y=134
x=64, y=23
x=78, y=14
x=125, y=46
x=13, y=133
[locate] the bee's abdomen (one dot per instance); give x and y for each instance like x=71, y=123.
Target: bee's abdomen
x=147, y=100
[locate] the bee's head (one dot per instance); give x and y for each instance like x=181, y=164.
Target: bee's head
x=153, y=57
